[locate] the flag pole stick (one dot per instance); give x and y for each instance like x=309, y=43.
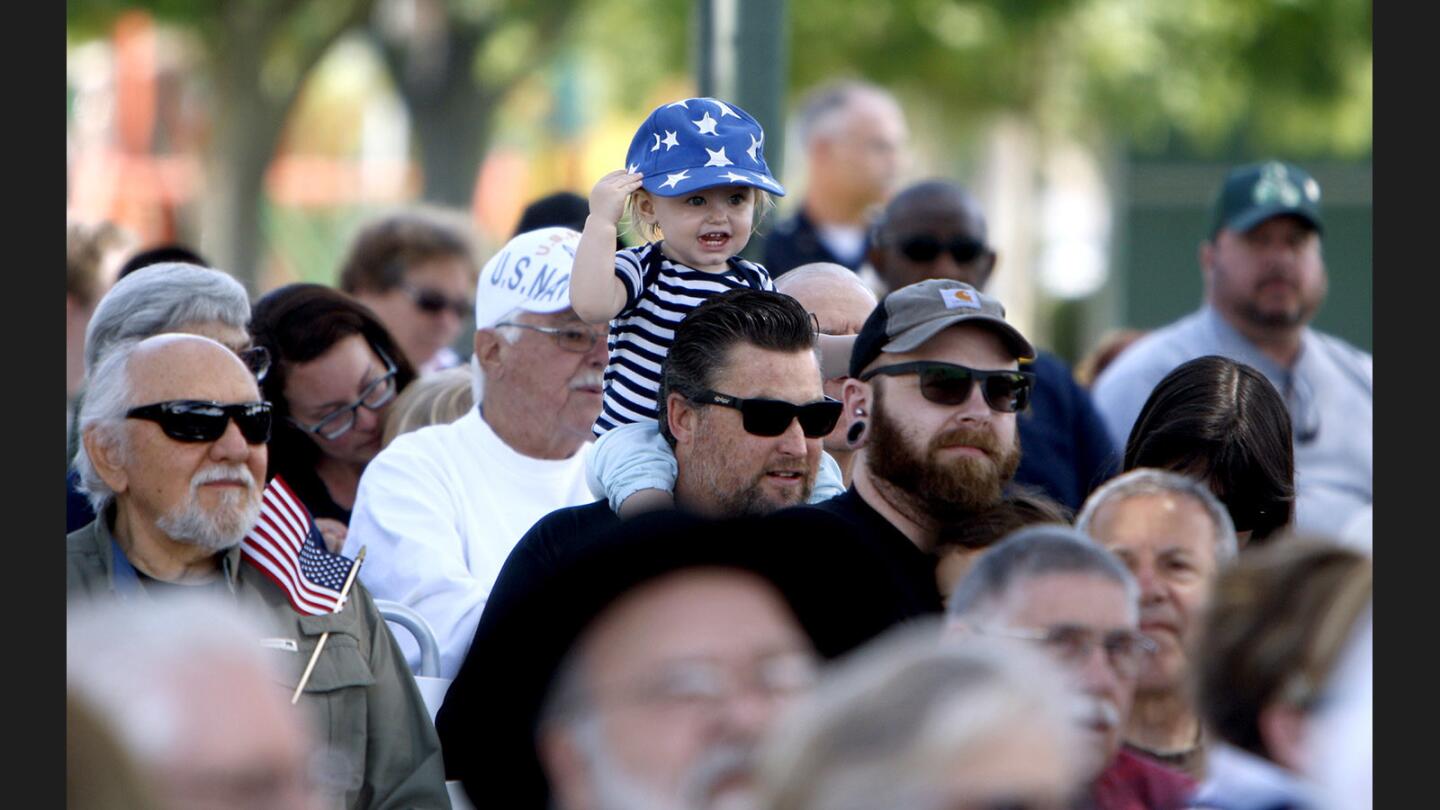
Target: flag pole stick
x=320, y=645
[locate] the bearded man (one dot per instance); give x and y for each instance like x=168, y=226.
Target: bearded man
x=934, y=388
x=172, y=458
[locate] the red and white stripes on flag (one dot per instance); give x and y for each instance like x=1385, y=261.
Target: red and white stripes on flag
x=277, y=544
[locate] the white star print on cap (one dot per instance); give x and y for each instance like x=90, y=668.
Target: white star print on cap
x=701, y=139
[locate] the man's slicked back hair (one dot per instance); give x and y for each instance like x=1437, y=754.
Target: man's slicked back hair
x=1033, y=552
x=763, y=319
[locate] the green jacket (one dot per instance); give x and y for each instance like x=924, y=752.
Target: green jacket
x=361, y=696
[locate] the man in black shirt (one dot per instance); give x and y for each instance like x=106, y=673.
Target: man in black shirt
x=934, y=389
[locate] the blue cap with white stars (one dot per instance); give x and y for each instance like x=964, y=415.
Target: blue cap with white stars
x=700, y=143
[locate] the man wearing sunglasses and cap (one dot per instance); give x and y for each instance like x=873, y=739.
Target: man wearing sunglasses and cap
x=934, y=389
x=936, y=229
x=1265, y=279
x=173, y=459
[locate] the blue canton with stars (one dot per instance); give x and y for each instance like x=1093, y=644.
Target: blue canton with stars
x=321, y=567
x=700, y=143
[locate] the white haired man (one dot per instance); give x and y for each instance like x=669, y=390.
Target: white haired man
x=173, y=459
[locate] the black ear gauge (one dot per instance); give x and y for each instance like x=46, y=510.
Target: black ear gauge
x=857, y=428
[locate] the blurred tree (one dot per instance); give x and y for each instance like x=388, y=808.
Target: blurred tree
x=1291, y=76
x=454, y=62
x=256, y=55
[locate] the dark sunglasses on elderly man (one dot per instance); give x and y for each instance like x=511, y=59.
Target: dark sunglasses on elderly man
x=949, y=384
x=198, y=420
x=927, y=248
x=772, y=417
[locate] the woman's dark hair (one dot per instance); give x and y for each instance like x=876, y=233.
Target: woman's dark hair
x=767, y=320
x=296, y=324
x=1224, y=423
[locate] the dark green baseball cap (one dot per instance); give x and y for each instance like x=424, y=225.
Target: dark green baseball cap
x=1258, y=191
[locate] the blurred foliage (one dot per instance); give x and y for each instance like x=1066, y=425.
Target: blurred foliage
x=1205, y=76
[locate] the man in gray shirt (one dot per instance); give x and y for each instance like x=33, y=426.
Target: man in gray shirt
x=1264, y=281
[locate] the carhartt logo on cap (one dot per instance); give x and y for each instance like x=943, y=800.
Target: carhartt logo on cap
x=955, y=299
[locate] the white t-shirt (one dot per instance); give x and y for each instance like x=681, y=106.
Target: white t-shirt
x=439, y=511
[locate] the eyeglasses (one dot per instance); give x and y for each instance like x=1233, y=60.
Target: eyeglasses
x=1072, y=643
x=257, y=359
x=434, y=302
x=772, y=417
x=198, y=420
x=927, y=248
x=707, y=685
x=375, y=396
x=949, y=384
x=569, y=338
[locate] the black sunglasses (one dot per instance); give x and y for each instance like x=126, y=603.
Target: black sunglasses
x=433, y=302
x=926, y=248
x=772, y=417
x=949, y=384
x=198, y=420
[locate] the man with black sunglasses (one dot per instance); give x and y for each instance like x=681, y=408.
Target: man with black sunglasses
x=745, y=413
x=934, y=389
x=173, y=459
x=936, y=229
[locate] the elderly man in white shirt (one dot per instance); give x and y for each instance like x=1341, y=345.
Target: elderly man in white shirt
x=440, y=508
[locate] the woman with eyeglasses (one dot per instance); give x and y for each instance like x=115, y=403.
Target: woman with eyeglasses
x=334, y=375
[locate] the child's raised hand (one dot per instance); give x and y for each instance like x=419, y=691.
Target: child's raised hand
x=607, y=199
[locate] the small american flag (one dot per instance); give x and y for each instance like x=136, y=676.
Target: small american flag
x=287, y=547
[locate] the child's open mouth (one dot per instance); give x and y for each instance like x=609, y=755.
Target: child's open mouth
x=714, y=239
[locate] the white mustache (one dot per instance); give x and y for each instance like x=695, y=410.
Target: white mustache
x=588, y=379
x=717, y=765
x=223, y=472
x=1089, y=711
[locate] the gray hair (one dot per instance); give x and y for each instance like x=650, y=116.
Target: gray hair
x=819, y=108
x=1032, y=552
x=1146, y=481
x=883, y=726
x=162, y=298
x=123, y=656
x=109, y=395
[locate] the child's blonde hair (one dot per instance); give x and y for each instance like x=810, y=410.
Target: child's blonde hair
x=650, y=232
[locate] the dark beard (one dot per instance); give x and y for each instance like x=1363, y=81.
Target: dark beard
x=947, y=491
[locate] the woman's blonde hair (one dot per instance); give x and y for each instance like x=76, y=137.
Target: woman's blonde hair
x=436, y=399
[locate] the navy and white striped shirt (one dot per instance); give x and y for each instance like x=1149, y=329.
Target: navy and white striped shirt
x=658, y=295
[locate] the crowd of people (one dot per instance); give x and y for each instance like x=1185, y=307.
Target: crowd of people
x=690, y=531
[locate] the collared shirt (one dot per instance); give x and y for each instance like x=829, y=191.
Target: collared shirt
x=360, y=698
x=439, y=510
x=1329, y=390
x=1239, y=780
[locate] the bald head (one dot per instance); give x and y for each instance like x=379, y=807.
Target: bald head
x=177, y=366
x=933, y=229
x=839, y=299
